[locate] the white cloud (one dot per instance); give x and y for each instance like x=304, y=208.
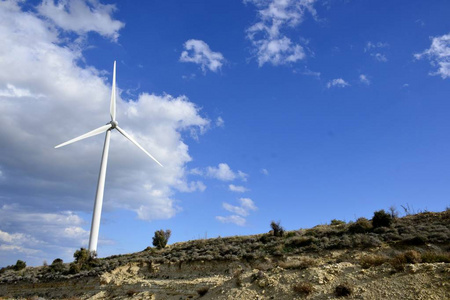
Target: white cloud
x=439, y=55
x=234, y=219
x=14, y=92
x=235, y=209
x=243, y=176
x=308, y=72
x=374, y=50
x=223, y=172
x=379, y=57
x=241, y=211
x=45, y=182
x=338, y=82
x=248, y=204
x=82, y=16
x=220, y=122
x=363, y=79
x=237, y=188
x=265, y=172
x=198, y=52
x=370, y=46
x=270, y=43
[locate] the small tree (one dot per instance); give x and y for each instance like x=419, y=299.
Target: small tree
x=57, y=265
x=20, y=265
x=381, y=219
x=161, y=238
x=278, y=230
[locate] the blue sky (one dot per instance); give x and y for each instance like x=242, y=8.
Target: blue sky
x=260, y=110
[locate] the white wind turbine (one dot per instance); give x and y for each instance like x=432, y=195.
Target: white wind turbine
x=95, y=226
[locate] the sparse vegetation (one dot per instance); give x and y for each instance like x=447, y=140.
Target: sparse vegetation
x=161, y=238
x=256, y=259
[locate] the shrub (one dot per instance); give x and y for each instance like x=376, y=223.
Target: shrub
x=303, y=288
x=398, y=262
x=84, y=260
x=258, y=276
x=372, y=261
x=20, y=265
x=237, y=275
x=57, y=265
x=278, y=230
x=301, y=264
x=415, y=241
x=412, y=257
x=202, y=291
x=381, y=219
x=82, y=256
x=343, y=290
x=362, y=225
x=335, y=222
x=161, y=238
x=74, y=268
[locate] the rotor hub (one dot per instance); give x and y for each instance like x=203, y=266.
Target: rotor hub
x=114, y=124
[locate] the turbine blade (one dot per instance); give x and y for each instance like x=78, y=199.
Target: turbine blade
x=136, y=143
x=86, y=135
x=113, y=96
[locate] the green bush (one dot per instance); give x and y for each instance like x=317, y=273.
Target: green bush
x=74, y=268
x=57, y=265
x=362, y=225
x=161, y=238
x=82, y=256
x=84, y=260
x=20, y=265
x=335, y=222
x=381, y=219
x=277, y=229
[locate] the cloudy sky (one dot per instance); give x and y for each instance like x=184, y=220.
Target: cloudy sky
x=299, y=111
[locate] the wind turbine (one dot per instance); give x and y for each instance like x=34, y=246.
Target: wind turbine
x=113, y=124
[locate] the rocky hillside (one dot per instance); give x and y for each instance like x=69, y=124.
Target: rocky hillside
x=408, y=258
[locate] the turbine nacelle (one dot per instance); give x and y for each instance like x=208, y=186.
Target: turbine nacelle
x=114, y=124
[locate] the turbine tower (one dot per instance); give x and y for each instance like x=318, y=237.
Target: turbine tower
x=113, y=124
